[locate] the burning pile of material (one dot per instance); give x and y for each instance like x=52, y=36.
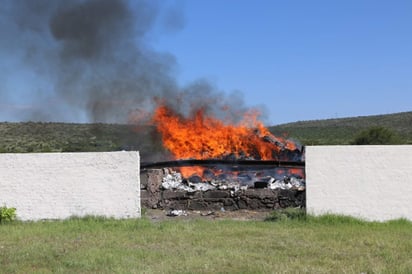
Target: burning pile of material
x=206, y=137
x=218, y=163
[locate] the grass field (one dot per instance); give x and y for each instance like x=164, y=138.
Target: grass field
x=327, y=244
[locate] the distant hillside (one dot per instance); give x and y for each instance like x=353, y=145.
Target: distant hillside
x=65, y=137
x=343, y=130
x=58, y=137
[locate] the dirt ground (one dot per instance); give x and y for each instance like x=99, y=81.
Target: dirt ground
x=241, y=215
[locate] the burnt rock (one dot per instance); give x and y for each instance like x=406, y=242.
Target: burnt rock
x=246, y=179
x=198, y=205
x=228, y=203
x=254, y=203
x=194, y=195
x=216, y=194
x=261, y=184
x=174, y=204
x=242, y=204
x=195, y=179
x=291, y=198
x=174, y=195
x=208, y=175
x=224, y=177
x=150, y=188
x=262, y=193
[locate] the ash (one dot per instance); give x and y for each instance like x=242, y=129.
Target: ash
x=174, y=180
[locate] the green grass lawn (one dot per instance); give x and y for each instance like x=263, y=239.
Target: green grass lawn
x=326, y=244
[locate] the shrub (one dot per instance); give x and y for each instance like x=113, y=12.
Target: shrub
x=7, y=214
x=376, y=136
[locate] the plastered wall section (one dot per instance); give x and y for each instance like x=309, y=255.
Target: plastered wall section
x=61, y=185
x=368, y=182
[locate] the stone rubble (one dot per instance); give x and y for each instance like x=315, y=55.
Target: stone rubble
x=166, y=189
x=174, y=181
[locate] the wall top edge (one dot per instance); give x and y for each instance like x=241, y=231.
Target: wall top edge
x=76, y=153
x=360, y=146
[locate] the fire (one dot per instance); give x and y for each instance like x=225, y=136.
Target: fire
x=189, y=171
x=206, y=137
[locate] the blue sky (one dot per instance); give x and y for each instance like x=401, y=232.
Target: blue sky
x=297, y=60
x=303, y=60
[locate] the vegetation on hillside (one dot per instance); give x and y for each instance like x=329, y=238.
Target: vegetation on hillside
x=65, y=137
x=376, y=136
x=344, y=131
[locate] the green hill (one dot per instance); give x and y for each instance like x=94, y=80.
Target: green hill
x=342, y=131
x=59, y=137
x=67, y=137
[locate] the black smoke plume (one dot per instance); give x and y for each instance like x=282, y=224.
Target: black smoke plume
x=92, y=58
x=92, y=53
x=91, y=61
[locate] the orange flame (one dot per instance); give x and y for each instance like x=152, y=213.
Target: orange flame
x=205, y=137
x=188, y=171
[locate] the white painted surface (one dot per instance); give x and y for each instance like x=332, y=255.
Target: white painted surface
x=61, y=185
x=368, y=182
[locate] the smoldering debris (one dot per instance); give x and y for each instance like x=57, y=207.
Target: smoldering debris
x=174, y=181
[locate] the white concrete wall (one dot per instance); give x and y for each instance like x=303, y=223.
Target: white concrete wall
x=61, y=185
x=368, y=182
